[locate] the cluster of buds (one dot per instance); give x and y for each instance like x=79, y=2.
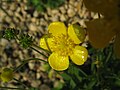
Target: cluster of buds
x=24, y=39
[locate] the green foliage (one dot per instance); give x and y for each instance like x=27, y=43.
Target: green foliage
x=54, y=3
x=69, y=81
x=32, y=88
x=41, y=5
x=9, y=1
x=10, y=33
x=59, y=86
x=100, y=72
x=25, y=40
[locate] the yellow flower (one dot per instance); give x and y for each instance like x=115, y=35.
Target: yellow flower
x=64, y=44
x=6, y=74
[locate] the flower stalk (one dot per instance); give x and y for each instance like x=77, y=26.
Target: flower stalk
x=26, y=61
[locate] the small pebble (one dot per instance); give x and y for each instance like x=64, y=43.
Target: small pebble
x=32, y=27
x=31, y=65
x=71, y=12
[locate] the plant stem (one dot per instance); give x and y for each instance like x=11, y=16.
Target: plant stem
x=21, y=83
x=108, y=57
x=42, y=49
x=26, y=61
x=9, y=88
x=39, y=52
x=83, y=73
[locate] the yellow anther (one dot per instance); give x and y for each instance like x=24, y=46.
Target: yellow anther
x=63, y=45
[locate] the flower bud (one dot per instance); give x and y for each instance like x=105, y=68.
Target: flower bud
x=6, y=74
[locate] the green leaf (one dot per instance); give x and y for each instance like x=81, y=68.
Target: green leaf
x=54, y=4
x=40, y=8
x=59, y=86
x=69, y=79
x=117, y=45
x=117, y=82
x=66, y=76
x=73, y=70
x=72, y=84
x=35, y=2
x=79, y=77
x=91, y=84
x=32, y=88
x=10, y=33
x=25, y=40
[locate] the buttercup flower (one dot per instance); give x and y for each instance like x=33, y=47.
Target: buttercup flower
x=64, y=44
x=6, y=74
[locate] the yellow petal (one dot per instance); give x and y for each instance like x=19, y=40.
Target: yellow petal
x=46, y=43
x=79, y=55
x=58, y=62
x=117, y=46
x=76, y=33
x=57, y=28
x=43, y=44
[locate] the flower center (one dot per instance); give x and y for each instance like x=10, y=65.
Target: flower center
x=63, y=45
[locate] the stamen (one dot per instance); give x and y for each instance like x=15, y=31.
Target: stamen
x=63, y=45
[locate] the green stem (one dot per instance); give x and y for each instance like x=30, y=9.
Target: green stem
x=9, y=88
x=42, y=49
x=39, y=52
x=26, y=61
x=112, y=77
x=108, y=57
x=83, y=73
x=21, y=83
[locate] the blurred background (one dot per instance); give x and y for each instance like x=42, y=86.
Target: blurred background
x=33, y=17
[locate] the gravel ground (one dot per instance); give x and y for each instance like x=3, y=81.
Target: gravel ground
x=18, y=15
